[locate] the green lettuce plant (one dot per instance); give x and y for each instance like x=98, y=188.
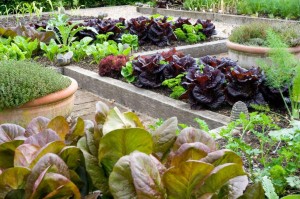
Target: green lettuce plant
x=26, y=45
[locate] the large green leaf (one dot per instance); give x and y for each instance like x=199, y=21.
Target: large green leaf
x=72, y=156
x=191, y=135
x=49, y=162
x=146, y=178
x=43, y=138
x=122, y=142
x=96, y=172
x=12, y=179
x=164, y=137
x=121, y=181
x=25, y=154
x=9, y=132
x=189, y=151
x=60, y=125
x=37, y=125
x=7, y=153
x=254, y=191
x=180, y=181
x=52, y=147
x=219, y=177
x=55, y=186
x=223, y=156
x=117, y=120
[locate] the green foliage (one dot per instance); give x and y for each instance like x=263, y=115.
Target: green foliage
x=101, y=38
x=11, y=52
x=190, y=33
x=23, y=81
x=175, y=85
x=127, y=72
x=131, y=40
x=256, y=34
x=52, y=49
x=26, y=45
x=269, y=188
x=79, y=48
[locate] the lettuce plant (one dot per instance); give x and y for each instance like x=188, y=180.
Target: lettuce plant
x=111, y=65
x=79, y=48
x=26, y=45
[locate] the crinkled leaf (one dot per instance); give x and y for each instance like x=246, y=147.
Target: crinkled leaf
x=43, y=138
x=219, y=177
x=96, y=172
x=52, y=147
x=122, y=142
x=254, y=191
x=9, y=132
x=72, y=156
x=189, y=151
x=7, y=153
x=164, y=137
x=12, y=179
x=117, y=120
x=181, y=181
x=25, y=154
x=60, y=125
x=190, y=135
x=37, y=125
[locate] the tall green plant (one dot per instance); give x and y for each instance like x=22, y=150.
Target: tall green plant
x=280, y=70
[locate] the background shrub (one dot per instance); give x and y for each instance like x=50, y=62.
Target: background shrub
x=23, y=81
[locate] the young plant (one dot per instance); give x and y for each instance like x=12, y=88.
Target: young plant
x=79, y=48
x=131, y=40
x=26, y=45
x=52, y=49
x=175, y=85
x=190, y=33
x=127, y=72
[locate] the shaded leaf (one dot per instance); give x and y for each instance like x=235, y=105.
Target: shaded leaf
x=254, y=191
x=72, y=156
x=7, y=153
x=77, y=130
x=122, y=142
x=164, y=137
x=102, y=111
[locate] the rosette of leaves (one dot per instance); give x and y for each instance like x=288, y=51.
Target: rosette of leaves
x=178, y=65
x=168, y=55
x=111, y=65
x=208, y=28
x=37, y=163
x=161, y=33
x=103, y=26
x=180, y=22
x=139, y=26
x=244, y=85
x=157, y=164
x=149, y=71
x=205, y=88
x=224, y=64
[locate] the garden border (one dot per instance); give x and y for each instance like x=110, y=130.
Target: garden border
x=225, y=18
x=196, y=50
x=142, y=100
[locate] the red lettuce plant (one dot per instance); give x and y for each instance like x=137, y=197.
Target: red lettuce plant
x=168, y=55
x=244, y=85
x=139, y=26
x=149, y=71
x=178, y=65
x=111, y=65
x=180, y=22
x=273, y=96
x=208, y=27
x=224, y=64
x=205, y=88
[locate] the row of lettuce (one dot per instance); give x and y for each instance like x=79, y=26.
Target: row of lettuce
x=52, y=159
x=96, y=37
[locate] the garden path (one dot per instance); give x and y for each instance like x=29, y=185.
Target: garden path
x=85, y=106
x=223, y=29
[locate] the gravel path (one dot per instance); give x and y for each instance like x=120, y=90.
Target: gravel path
x=223, y=29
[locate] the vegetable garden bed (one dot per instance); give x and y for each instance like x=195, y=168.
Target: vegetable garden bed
x=226, y=18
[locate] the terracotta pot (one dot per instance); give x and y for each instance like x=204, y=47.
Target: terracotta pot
x=247, y=56
x=50, y=106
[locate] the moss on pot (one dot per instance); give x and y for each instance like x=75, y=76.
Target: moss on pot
x=254, y=34
x=23, y=81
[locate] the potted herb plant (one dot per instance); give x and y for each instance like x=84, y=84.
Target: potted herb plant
x=28, y=90
x=248, y=43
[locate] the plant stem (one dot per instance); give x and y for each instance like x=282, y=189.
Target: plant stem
x=285, y=104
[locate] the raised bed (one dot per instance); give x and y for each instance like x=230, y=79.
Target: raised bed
x=226, y=18
x=141, y=100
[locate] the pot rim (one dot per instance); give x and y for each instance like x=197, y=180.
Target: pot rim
x=54, y=97
x=255, y=49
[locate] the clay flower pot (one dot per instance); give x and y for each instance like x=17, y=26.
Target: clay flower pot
x=50, y=106
x=247, y=56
